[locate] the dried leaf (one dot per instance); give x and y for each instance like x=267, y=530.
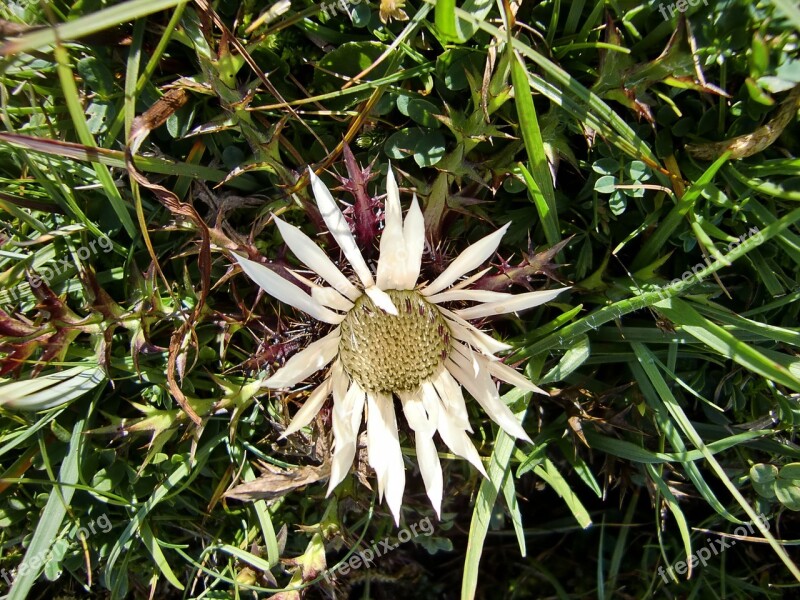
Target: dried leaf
x=154, y=117
x=752, y=143
x=275, y=484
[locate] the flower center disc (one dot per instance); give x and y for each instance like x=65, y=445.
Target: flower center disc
x=388, y=353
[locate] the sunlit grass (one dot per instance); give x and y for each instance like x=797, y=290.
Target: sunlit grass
x=671, y=366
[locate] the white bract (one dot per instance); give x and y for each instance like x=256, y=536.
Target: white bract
x=394, y=339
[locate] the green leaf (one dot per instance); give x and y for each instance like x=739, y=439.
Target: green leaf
x=637, y=170
x=788, y=494
x=763, y=478
x=618, y=202
x=96, y=76
x=402, y=144
x=445, y=20
x=429, y=149
x=419, y=110
x=454, y=65
x=606, y=166
x=605, y=184
x=459, y=30
x=790, y=471
x=762, y=473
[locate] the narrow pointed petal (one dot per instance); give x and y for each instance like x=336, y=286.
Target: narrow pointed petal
x=312, y=256
x=448, y=390
x=375, y=456
x=458, y=441
x=466, y=332
x=465, y=283
x=340, y=381
x=469, y=260
x=427, y=457
x=482, y=388
x=309, y=360
x=347, y=412
x=414, y=236
x=517, y=303
x=357, y=411
x=512, y=376
x=277, y=287
x=463, y=334
x=432, y=405
x=414, y=410
x=381, y=299
x=431, y=469
x=310, y=408
x=327, y=296
x=469, y=296
x=383, y=449
x=339, y=229
x=393, y=259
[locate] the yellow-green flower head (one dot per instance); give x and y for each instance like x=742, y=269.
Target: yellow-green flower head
x=395, y=338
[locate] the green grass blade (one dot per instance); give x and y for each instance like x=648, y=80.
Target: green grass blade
x=574, y=357
x=52, y=516
x=160, y=493
x=790, y=9
x=510, y=494
x=672, y=436
x=51, y=390
x=265, y=521
x=484, y=504
x=677, y=413
x=72, y=99
x=674, y=508
x=623, y=307
x=676, y=216
x=87, y=25
x=445, y=19
x=540, y=181
x=549, y=472
x=635, y=453
x=153, y=547
x=116, y=158
x=725, y=343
